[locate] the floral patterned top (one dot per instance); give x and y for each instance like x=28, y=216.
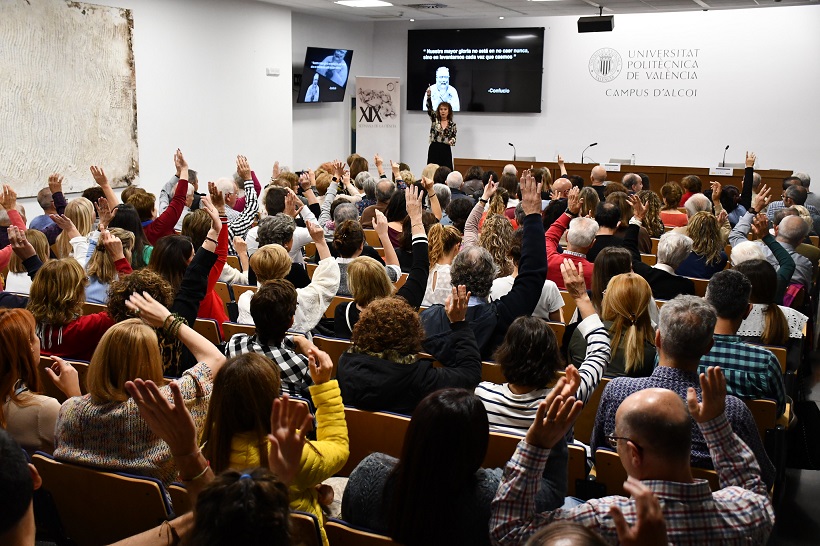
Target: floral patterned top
x=437, y=133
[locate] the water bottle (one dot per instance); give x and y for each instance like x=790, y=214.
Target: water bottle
x=633, y=160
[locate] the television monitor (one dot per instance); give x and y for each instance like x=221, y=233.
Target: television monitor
x=324, y=77
x=476, y=70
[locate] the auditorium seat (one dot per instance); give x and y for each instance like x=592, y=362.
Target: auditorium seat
x=586, y=420
x=230, y=329
x=609, y=472
x=340, y=533
x=49, y=388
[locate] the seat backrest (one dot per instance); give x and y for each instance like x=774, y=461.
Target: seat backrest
x=180, y=501
x=311, y=268
x=558, y=328
x=569, y=306
x=49, y=388
x=304, y=529
x=233, y=261
x=334, y=303
x=490, y=371
x=223, y=292
x=97, y=507
x=371, y=432
x=765, y=414
x=91, y=308
x=610, y=472
x=586, y=421
x=649, y=259
x=230, y=329
x=700, y=285
x=239, y=289
x=401, y=280
x=780, y=353
x=208, y=329
x=340, y=533
x=334, y=347
x=655, y=245
x=372, y=238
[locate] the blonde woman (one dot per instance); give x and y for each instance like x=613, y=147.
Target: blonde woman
x=107, y=261
x=104, y=428
x=589, y=201
x=18, y=280
x=273, y=262
x=81, y=213
x=707, y=256
x=626, y=317
x=496, y=236
x=652, y=221
x=445, y=243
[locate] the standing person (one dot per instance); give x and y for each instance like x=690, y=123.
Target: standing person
x=442, y=132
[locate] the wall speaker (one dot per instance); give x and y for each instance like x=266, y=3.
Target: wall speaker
x=596, y=24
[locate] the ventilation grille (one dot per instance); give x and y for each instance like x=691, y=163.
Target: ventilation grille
x=427, y=6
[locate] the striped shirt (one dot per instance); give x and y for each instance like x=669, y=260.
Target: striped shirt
x=740, y=513
x=751, y=371
x=239, y=223
x=509, y=412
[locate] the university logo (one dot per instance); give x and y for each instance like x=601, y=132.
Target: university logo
x=605, y=65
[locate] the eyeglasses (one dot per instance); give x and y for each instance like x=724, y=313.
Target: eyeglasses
x=613, y=441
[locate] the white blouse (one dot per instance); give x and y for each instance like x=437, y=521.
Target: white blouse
x=752, y=326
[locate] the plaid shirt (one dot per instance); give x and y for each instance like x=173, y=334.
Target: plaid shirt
x=740, y=513
x=294, y=367
x=240, y=222
x=775, y=206
x=751, y=371
x=679, y=381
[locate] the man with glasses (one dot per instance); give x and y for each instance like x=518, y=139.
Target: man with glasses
x=685, y=334
x=652, y=436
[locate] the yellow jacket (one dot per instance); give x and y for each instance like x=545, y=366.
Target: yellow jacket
x=320, y=459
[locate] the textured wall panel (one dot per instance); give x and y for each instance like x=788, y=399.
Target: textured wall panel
x=67, y=94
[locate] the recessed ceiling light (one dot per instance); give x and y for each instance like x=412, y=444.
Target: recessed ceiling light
x=412, y=20
x=502, y=17
x=363, y=3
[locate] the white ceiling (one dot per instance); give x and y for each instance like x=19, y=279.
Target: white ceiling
x=472, y=9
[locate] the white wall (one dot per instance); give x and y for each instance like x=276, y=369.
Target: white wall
x=756, y=90
x=201, y=86
x=321, y=131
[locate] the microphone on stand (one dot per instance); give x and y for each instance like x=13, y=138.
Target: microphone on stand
x=513, y=147
x=585, y=150
x=724, y=156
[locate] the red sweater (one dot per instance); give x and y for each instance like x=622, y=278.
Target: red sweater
x=212, y=306
x=77, y=339
x=5, y=252
x=555, y=259
x=165, y=222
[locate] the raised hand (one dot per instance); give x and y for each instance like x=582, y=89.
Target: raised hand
x=55, y=183
x=379, y=162
x=304, y=181
x=243, y=168
x=722, y=216
x=289, y=423
x=713, y=396
x=217, y=197
x=395, y=167
x=574, y=200
x=152, y=312
x=112, y=245
x=320, y=365
x=19, y=244
x=240, y=245
x=489, y=189
x=171, y=421
x=316, y=232
x=292, y=204
x=554, y=417
x=560, y=159
x=762, y=198
x=99, y=175
x=530, y=194
x=650, y=527
x=428, y=184
x=9, y=198
x=716, y=189
x=750, y=159
x=276, y=171
x=216, y=222
x=64, y=377
x=64, y=223
x=412, y=198
x=338, y=168
x=638, y=208
x=180, y=163
x=573, y=381
x=429, y=90
x=760, y=226
x=456, y=304
x=574, y=279
x=104, y=211
x=380, y=224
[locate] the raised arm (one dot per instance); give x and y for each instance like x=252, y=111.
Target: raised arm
x=330, y=194
x=102, y=181
x=416, y=283
x=164, y=224
x=471, y=226
x=435, y=206
x=247, y=216
x=748, y=180
x=562, y=166
x=380, y=227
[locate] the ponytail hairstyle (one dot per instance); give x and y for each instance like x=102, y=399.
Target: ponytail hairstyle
x=626, y=303
x=764, y=286
x=441, y=240
x=101, y=264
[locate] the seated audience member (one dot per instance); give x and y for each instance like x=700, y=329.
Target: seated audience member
x=474, y=268
x=608, y=218
x=384, y=191
x=272, y=262
x=458, y=212
x=632, y=182
x=652, y=433
x=496, y=237
x=613, y=187
x=278, y=230
x=367, y=281
x=549, y=303
x=444, y=245
x=280, y=200
x=25, y=413
x=56, y=301
x=700, y=203
x=196, y=226
x=652, y=219
x=381, y=371
x=366, y=183
x=684, y=336
x=769, y=323
x=730, y=201
x=81, y=214
x=110, y=257
x=673, y=249
x=598, y=178
x=46, y=202
x=18, y=279
x=558, y=204
x=444, y=197
x=692, y=184
x=671, y=192
x=589, y=203
x=707, y=256
x=790, y=233
x=625, y=204
x=529, y=358
x=170, y=189
x=236, y=428
x=793, y=194
x=125, y=217
x=417, y=500
x=240, y=220
x=580, y=238
x=103, y=428
x=404, y=252
x=456, y=184
x=348, y=241
x=751, y=371
x=806, y=248
x=625, y=312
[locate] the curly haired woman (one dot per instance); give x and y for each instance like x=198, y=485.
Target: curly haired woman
x=707, y=256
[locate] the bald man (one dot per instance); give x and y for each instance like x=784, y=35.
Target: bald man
x=652, y=435
x=598, y=177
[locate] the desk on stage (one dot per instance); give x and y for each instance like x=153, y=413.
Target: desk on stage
x=658, y=174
